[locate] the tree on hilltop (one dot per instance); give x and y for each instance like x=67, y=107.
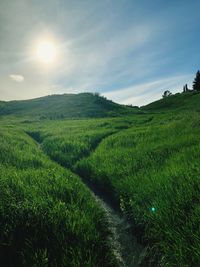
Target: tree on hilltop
x=196, y=82
x=166, y=94
x=185, y=88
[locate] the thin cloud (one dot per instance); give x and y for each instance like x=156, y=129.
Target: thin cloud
x=114, y=47
x=17, y=78
x=145, y=93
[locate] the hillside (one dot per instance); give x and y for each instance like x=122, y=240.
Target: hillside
x=144, y=168
x=83, y=105
x=179, y=101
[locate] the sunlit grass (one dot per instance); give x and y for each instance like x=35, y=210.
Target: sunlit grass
x=153, y=173
x=148, y=164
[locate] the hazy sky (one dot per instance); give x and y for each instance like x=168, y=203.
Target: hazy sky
x=128, y=50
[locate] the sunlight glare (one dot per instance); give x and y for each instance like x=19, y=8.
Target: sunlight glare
x=46, y=51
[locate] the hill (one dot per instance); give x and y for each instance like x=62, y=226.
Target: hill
x=83, y=105
x=144, y=166
x=179, y=101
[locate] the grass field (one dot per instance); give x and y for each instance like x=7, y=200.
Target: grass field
x=67, y=141
x=47, y=216
x=153, y=173
x=147, y=163
x=83, y=105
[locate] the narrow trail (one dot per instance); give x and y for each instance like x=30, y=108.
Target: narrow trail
x=127, y=251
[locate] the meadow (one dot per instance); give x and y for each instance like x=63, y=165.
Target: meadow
x=147, y=163
x=153, y=172
x=47, y=216
x=67, y=141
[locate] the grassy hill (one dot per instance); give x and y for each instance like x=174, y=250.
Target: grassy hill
x=184, y=101
x=148, y=165
x=83, y=105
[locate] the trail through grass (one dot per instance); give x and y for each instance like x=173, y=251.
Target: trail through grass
x=126, y=249
x=152, y=173
x=47, y=216
x=148, y=165
x=124, y=246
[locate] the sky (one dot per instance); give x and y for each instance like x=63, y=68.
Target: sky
x=129, y=51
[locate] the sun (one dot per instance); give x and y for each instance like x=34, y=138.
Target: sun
x=46, y=51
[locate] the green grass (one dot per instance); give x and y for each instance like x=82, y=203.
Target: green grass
x=84, y=105
x=184, y=102
x=47, y=216
x=67, y=141
x=153, y=173
x=147, y=163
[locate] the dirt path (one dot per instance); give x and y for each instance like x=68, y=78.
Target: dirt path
x=128, y=252
x=126, y=249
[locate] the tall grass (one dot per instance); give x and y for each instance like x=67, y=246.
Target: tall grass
x=67, y=141
x=47, y=216
x=148, y=164
x=153, y=172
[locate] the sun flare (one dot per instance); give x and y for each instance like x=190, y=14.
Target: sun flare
x=46, y=52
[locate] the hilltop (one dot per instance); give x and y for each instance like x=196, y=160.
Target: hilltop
x=144, y=167
x=83, y=105
x=178, y=102
x=89, y=105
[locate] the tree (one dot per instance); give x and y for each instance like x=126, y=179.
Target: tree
x=196, y=82
x=166, y=94
x=185, y=88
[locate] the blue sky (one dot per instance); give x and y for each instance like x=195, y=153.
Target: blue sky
x=128, y=50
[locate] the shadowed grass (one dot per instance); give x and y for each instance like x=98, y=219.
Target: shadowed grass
x=47, y=216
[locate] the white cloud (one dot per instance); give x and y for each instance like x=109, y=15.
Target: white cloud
x=25, y=90
x=110, y=44
x=145, y=93
x=17, y=78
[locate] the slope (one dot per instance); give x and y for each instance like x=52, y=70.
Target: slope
x=178, y=102
x=83, y=105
